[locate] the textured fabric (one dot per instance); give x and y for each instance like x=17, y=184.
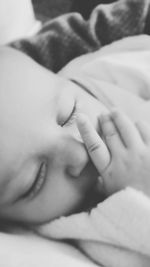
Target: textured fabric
x=114, y=234
x=48, y=9
x=69, y=36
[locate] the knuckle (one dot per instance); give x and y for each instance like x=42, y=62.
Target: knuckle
x=111, y=134
x=93, y=147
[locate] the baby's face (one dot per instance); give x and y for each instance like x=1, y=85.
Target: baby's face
x=45, y=171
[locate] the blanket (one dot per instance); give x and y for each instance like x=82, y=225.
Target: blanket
x=26, y=249
x=68, y=36
x=115, y=233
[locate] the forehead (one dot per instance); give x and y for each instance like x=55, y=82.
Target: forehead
x=25, y=86
x=18, y=71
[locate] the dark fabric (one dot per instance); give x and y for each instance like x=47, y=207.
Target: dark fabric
x=48, y=9
x=69, y=36
x=85, y=7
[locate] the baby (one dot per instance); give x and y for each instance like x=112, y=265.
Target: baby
x=45, y=169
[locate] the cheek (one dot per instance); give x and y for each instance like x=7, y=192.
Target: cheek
x=61, y=195
x=57, y=199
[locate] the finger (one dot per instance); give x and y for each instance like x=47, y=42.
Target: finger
x=144, y=130
x=127, y=129
x=111, y=134
x=96, y=148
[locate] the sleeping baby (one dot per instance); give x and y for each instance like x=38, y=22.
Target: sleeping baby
x=55, y=162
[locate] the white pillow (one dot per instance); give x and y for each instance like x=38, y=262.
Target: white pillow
x=17, y=20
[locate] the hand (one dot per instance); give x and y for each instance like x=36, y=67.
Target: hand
x=129, y=149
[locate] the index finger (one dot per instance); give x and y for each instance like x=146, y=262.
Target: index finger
x=96, y=148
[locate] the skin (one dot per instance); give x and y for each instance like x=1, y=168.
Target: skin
x=35, y=105
x=125, y=160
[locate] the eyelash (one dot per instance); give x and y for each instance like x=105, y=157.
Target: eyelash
x=70, y=120
x=38, y=182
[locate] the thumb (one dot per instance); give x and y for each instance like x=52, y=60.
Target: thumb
x=96, y=148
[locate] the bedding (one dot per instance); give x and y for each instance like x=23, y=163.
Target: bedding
x=115, y=233
x=26, y=249
x=64, y=38
x=17, y=20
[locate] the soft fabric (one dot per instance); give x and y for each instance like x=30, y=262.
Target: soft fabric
x=17, y=20
x=29, y=250
x=69, y=36
x=45, y=9
x=116, y=232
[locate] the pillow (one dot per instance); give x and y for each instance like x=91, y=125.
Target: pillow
x=30, y=250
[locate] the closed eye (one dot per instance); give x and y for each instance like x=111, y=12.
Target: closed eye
x=72, y=116
x=38, y=182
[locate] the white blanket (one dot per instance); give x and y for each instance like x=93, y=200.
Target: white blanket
x=29, y=250
x=17, y=20
x=116, y=233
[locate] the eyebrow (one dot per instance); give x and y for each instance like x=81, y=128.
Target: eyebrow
x=84, y=87
x=100, y=96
